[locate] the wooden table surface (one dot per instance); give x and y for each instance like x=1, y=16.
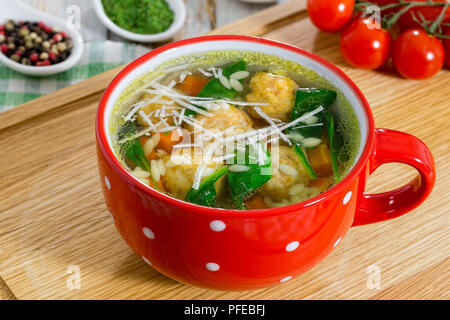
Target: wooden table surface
x=54, y=224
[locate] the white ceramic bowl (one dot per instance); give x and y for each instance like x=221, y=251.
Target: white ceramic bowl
x=178, y=7
x=17, y=10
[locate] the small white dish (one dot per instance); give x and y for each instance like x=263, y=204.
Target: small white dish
x=177, y=6
x=17, y=10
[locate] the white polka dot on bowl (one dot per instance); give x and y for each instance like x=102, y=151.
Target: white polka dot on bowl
x=286, y=279
x=337, y=242
x=347, y=197
x=146, y=260
x=217, y=225
x=211, y=266
x=107, y=183
x=148, y=233
x=292, y=246
x=112, y=217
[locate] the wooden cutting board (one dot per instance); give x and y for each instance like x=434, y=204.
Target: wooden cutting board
x=54, y=224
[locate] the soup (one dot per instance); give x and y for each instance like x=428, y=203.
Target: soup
x=234, y=129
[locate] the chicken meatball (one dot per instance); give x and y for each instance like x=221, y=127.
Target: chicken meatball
x=224, y=116
x=180, y=173
x=278, y=91
x=290, y=173
x=155, y=116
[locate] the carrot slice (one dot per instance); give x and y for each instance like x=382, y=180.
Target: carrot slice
x=256, y=203
x=320, y=160
x=160, y=185
x=322, y=183
x=168, y=140
x=192, y=84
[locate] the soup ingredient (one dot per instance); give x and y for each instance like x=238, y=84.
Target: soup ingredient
x=192, y=84
x=167, y=140
x=304, y=161
x=365, y=47
x=320, y=160
x=244, y=183
x=330, y=15
x=34, y=43
x=140, y=16
x=322, y=183
x=133, y=149
x=307, y=100
x=334, y=143
x=215, y=89
x=181, y=167
x=289, y=174
x=256, y=203
x=206, y=194
x=418, y=55
x=278, y=91
x=152, y=110
x=227, y=117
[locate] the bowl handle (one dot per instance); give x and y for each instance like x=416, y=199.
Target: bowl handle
x=395, y=146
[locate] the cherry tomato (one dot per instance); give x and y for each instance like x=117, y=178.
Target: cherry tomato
x=364, y=46
x=330, y=15
x=430, y=13
x=417, y=55
x=447, y=47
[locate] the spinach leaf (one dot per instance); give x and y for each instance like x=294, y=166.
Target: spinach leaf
x=329, y=122
x=214, y=89
x=133, y=150
x=307, y=100
x=206, y=194
x=304, y=161
x=242, y=184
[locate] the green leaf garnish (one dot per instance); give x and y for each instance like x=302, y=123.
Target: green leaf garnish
x=243, y=184
x=214, y=89
x=308, y=100
x=206, y=194
x=304, y=161
x=329, y=122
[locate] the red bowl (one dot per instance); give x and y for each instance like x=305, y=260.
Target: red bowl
x=241, y=250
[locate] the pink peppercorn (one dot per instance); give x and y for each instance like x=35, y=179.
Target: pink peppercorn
x=52, y=55
x=19, y=53
x=4, y=48
x=46, y=62
x=34, y=57
x=57, y=37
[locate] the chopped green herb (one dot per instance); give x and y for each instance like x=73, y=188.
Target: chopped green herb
x=140, y=16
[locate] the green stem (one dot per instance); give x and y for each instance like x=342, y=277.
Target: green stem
x=436, y=24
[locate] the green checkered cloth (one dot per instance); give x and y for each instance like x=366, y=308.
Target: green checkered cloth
x=16, y=88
